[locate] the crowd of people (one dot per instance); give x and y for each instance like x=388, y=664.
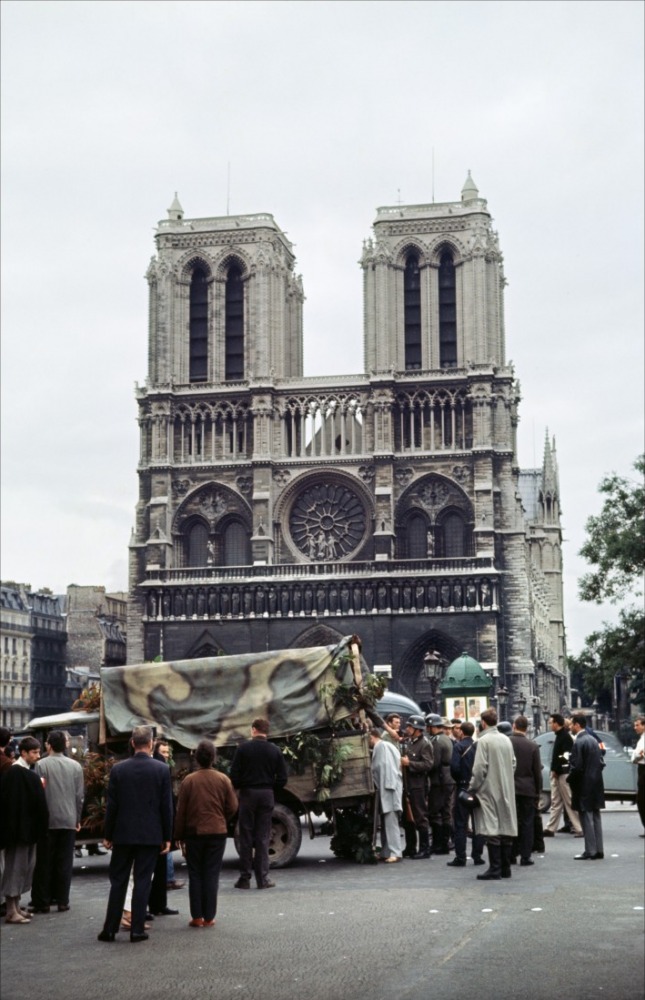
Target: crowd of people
x=438, y=779
x=452, y=783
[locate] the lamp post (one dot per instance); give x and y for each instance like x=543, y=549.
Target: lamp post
x=502, y=696
x=521, y=703
x=432, y=672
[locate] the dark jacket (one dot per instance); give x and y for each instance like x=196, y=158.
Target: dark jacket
x=442, y=747
x=25, y=818
x=258, y=764
x=139, y=802
x=463, y=756
x=563, y=745
x=421, y=756
x=528, y=766
x=585, y=774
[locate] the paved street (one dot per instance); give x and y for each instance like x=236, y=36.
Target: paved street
x=331, y=931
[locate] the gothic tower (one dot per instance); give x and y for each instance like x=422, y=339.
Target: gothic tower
x=277, y=510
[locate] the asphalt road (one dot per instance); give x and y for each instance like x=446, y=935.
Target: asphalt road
x=333, y=931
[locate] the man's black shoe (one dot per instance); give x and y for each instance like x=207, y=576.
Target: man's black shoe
x=548, y=833
x=135, y=938
x=39, y=909
x=267, y=885
x=456, y=863
x=597, y=857
x=166, y=912
x=149, y=916
x=242, y=883
x=105, y=936
x=478, y=861
x=525, y=862
x=583, y=857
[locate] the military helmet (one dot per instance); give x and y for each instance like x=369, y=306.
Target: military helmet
x=416, y=721
x=433, y=720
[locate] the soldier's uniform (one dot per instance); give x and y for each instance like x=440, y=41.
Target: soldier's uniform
x=441, y=787
x=416, y=776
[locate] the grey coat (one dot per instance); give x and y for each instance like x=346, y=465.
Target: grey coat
x=493, y=782
x=386, y=769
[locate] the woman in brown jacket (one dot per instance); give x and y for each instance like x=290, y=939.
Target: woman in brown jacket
x=207, y=801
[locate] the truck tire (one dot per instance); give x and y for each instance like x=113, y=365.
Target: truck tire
x=286, y=837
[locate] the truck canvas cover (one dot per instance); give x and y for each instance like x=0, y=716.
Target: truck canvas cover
x=218, y=697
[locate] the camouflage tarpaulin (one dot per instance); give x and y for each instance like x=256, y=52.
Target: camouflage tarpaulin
x=219, y=696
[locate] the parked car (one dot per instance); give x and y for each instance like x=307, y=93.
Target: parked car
x=392, y=703
x=619, y=775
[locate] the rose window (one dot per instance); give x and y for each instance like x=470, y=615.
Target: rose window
x=327, y=522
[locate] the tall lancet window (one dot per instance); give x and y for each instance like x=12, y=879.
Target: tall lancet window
x=447, y=312
x=198, y=326
x=234, y=328
x=412, y=312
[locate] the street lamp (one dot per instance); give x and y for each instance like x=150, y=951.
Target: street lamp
x=502, y=696
x=521, y=703
x=432, y=672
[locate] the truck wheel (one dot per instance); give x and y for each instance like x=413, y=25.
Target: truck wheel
x=286, y=837
x=545, y=802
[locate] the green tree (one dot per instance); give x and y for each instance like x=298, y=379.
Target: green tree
x=615, y=548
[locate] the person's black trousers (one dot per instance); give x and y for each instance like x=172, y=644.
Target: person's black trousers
x=204, y=856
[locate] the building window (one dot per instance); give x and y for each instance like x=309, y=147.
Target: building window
x=447, y=312
x=417, y=538
x=412, y=312
x=453, y=537
x=198, y=326
x=197, y=551
x=236, y=545
x=234, y=325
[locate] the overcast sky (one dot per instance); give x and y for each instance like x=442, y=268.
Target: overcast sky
x=324, y=110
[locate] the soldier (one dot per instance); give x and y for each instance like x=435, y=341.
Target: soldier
x=416, y=760
x=441, y=786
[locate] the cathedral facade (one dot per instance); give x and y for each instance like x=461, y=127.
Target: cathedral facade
x=277, y=510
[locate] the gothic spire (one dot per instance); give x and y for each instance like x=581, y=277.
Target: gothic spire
x=175, y=212
x=469, y=191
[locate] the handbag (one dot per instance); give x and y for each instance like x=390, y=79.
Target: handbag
x=468, y=799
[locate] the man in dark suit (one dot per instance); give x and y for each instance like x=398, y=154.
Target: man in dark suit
x=138, y=825
x=528, y=784
x=587, y=788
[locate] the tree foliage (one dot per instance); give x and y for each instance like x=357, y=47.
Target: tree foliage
x=615, y=547
x=615, y=543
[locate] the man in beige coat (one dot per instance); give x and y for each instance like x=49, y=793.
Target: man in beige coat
x=493, y=783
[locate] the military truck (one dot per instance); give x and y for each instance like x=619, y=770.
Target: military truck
x=308, y=695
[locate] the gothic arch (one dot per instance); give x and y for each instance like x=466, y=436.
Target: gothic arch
x=232, y=258
x=409, y=678
x=409, y=246
x=316, y=635
x=216, y=506
x=190, y=262
x=451, y=245
x=435, y=499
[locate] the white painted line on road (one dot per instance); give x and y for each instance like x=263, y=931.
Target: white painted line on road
x=536, y=909
x=487, y=911
x=639, y=907
x=433, y=911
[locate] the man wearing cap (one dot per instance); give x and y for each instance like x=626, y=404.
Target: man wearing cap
x=442, y=785
x=417, y=759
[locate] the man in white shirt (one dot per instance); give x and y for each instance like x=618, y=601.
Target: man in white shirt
x=638, y=758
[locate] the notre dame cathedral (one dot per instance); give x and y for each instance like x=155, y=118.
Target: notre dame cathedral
x=280, y=511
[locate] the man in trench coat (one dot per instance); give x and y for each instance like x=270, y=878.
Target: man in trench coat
x=492, y=781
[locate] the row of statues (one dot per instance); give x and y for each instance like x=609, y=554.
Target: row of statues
x=250, y=600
